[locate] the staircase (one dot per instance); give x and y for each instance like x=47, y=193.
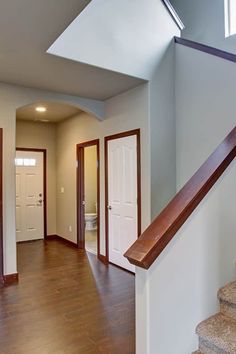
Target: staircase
x=217, y=334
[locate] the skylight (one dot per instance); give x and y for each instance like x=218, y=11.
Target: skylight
x=230, y=17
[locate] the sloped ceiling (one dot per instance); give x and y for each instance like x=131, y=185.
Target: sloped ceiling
x=27, y=29
x=119, y=35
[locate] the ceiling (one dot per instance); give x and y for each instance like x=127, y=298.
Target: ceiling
x=28, y=28
x=55, y=112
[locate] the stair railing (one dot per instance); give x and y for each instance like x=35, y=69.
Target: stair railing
x=156, y=237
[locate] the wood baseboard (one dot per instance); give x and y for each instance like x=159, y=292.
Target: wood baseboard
x=29, y=241
x=50, y=237
x=10, y=279
x=67, y=242
x=62, y=239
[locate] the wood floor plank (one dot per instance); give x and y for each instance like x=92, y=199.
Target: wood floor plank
x=66, y=302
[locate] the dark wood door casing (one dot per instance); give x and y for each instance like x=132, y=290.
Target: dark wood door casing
x=81, y=194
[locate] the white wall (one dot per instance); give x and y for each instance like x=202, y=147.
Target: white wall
x=205, y=23
x=205, y=106
x=180, y=288
x=162, y=130
x=11, y=98
x=124, y=112
x=42, y=136
x=124, y=36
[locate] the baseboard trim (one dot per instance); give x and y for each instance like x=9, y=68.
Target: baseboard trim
x=67, y=242
x=50, y=237
x=10, y=279
x=30, y=241
x=62, y=239
x=103, y=259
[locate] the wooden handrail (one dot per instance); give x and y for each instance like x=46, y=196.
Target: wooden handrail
x=156, y=237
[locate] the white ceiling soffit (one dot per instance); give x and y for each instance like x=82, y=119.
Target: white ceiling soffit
x=123, y=36
x=28, y=28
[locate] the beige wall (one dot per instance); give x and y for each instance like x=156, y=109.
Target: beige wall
x=42, y=136
x=124, y=112
x=90, y=178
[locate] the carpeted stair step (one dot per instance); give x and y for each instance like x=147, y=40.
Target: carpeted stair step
x=227, y=298
x=217, y=335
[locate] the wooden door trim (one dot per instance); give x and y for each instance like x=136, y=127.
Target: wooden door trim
x=80, y=190
x=1, y=208
x=139, y=214
x=44, y=151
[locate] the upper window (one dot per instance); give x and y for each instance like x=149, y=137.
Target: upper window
x=25, y=162
x=230, y=17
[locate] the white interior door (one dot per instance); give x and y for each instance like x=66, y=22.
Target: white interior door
x=29, y=196
x=122, y=198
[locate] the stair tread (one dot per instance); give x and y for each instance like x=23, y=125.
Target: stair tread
x=228, y=293
x=220, y=331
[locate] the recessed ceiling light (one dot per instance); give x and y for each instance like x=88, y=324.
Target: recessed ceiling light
x=40, y=109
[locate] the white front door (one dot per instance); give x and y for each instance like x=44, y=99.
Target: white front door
x=122, y=198
x=29, y=196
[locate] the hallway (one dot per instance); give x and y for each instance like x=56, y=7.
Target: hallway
x=66, y=302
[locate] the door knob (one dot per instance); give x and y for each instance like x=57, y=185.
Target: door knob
x=109, y=207
x=83, y=202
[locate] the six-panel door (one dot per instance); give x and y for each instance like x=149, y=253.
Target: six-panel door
x=122, y=198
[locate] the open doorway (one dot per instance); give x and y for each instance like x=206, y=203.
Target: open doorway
x=88, y=229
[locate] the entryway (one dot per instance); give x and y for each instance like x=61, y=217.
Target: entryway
x=88, y=196
x=123, y=195
x=30, y=194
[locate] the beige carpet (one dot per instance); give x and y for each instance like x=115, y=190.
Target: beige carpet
x=217, y=334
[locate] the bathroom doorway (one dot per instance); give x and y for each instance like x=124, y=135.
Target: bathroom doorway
x=88, y=215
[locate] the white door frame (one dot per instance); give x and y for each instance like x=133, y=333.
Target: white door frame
x=135, y=132
x=44, y=151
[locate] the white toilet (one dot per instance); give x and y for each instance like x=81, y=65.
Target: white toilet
x=90, y=221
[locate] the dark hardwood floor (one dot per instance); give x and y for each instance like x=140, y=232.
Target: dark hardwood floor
x=66, y=302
